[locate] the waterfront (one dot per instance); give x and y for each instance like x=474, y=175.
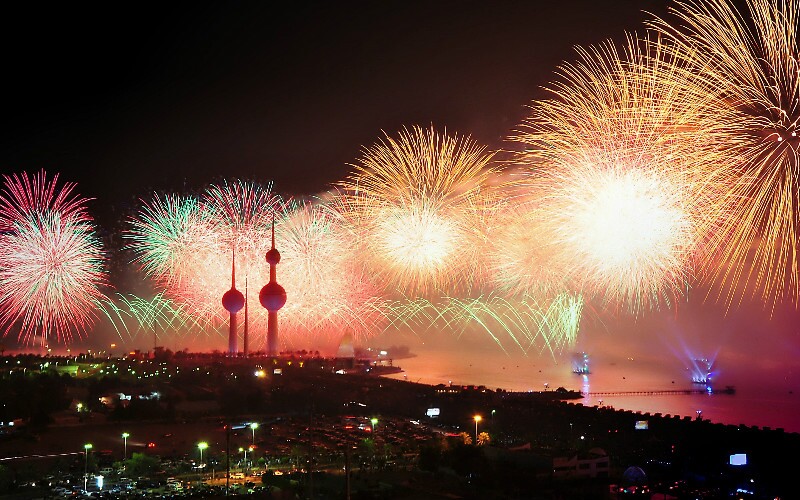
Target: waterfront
x=764, y=397
x=307, y=413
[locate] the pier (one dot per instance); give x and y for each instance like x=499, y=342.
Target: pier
x=666, y=392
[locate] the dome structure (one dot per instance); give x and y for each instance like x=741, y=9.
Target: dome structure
x=273, y=256
x=233, y=301
x=272, y=296
x=346, y=349
x=634, y=475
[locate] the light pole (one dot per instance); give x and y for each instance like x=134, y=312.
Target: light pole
x=202, y=446
x=86, y=448
x=477, y=418
x=245, y=455
x=253, y=427
x=125, y=437
x=373, y=421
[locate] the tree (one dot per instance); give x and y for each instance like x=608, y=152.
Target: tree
x=430, y=456
x=141, y=465
x=296, y=453
x=466, y=438
x=5, y=479
x=366, y=449
x=483, y=438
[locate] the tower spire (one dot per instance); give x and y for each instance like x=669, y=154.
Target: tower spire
x=233, y=270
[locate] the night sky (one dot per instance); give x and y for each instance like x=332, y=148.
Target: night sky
x=127, y=99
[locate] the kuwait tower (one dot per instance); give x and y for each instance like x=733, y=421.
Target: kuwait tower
x=272, y=297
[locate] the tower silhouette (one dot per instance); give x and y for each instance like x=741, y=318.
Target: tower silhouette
x=272, y=297
x=233, y=301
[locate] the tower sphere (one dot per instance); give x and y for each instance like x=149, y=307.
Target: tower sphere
x=233, y=300
x=273, y=257
x=272, y=296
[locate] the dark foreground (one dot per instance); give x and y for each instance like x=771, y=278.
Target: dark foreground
x=363, y=436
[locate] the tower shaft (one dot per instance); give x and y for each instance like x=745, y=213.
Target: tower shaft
x=232, y=338
x=272, y=333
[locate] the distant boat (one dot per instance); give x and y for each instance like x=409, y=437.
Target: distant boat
x=580, y=363
x=702, y=371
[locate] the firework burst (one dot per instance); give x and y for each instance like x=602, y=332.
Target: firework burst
x=51, y=261
x=242, y=213
x=186, y=246
x=749, y=69
x=520, y=259
x=166, y=234
x=412, y=200
x=331, y=293
x=156, y=316
x=620, y=174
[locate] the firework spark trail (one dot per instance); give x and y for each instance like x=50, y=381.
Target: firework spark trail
x=749, y=68
x=411, y=200
x=626, y=192
x=545, y=325
x=528, y=322
x=51, y=261
x=155, y=316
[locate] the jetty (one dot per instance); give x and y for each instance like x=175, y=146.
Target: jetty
x=727, y=390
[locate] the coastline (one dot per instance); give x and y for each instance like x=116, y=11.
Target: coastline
x=753, y=405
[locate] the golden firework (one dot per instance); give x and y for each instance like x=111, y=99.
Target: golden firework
x=412, y=201
x=748, y=66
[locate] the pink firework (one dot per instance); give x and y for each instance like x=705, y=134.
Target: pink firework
x=51, y=260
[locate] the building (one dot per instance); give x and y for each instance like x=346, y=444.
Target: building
x=592, y=464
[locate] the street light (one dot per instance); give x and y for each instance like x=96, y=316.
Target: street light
x=202, y=446
x=245, y=455
x=86, y=448
x=477, y=418
x=373, y=421
x=253, y=427
x=125, y=437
